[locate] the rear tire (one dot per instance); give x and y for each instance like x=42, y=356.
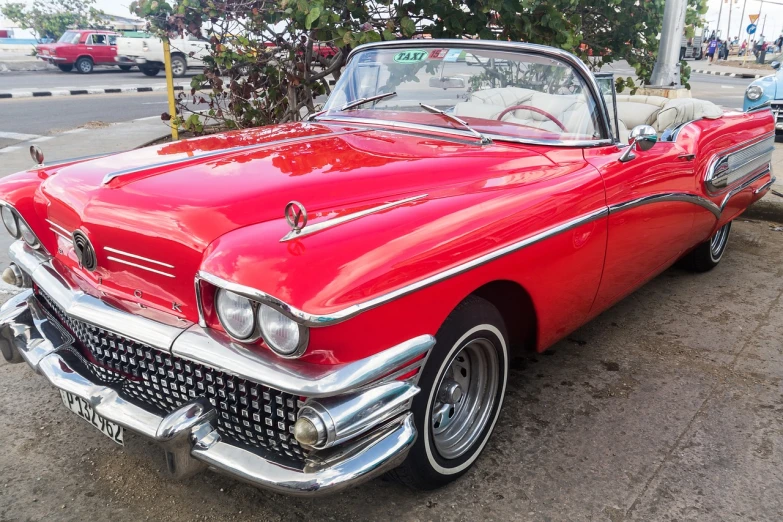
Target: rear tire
x=84, y=65
x=708, y=254
x=462, y=388
x=150, y=71
x=65, y=67
x=178, y=66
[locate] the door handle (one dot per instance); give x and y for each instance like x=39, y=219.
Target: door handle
x=686, y=157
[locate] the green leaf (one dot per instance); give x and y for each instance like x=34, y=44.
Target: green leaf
x=312, y=16
x=407, y=26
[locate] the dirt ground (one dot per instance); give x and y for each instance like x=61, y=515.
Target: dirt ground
x=668, y=406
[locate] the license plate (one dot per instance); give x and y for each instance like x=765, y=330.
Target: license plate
x=46, y=52
x=81, y=408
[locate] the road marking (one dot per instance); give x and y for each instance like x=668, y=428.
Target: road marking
x=9, y=149
x=42, y=138
x=18, y=136
x=155, y=103
x=726, y=86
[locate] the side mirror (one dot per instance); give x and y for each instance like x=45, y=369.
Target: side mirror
x=775, y=65
x=642, y=138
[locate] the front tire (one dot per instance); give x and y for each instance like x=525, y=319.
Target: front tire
x=462, y=388
x=84, y=65
x=708, y=254
x=150, y=71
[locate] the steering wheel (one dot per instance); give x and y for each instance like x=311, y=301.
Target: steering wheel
x=533, y=109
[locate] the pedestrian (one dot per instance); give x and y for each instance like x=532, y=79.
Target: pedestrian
x=711, y=47
x=743, y=48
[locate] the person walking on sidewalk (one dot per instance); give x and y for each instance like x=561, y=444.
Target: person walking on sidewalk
x=711, y=47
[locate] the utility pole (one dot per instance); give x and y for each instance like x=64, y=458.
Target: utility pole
x=720, y=12
x=742, y=21
x=667, y=67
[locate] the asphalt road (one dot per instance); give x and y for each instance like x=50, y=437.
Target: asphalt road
x=56, y=79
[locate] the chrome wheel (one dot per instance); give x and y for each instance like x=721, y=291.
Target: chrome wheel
x=718, y=242
x=177, y=66
x=465, y=398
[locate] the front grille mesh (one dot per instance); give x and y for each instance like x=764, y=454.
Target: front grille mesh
x=248, y=412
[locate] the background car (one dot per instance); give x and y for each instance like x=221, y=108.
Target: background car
x=147, y=53
x=768, y=89
x=83, y=49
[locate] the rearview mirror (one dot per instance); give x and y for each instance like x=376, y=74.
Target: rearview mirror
x=642, y=137
x=447, y=82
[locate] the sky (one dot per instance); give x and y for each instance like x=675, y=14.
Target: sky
x=773, y=11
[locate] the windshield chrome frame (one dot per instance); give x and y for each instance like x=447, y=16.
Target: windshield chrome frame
x=534, y=49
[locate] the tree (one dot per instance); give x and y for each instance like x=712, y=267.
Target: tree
x=51, y=18
x=261, y=66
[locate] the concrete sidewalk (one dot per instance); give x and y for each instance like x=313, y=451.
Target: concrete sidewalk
x=83, y=141
x=21, y=59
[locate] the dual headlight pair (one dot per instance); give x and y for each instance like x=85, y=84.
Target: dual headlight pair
x=17, y=227
x=754, y=92
x=247, y=321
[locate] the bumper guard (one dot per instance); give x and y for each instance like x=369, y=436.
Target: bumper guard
x=189, y=434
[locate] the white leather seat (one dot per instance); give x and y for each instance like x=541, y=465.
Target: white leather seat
x=661, y=113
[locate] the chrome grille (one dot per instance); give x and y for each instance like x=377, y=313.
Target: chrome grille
x=248, y=412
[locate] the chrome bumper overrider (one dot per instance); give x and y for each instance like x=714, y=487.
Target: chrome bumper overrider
x=373, y=408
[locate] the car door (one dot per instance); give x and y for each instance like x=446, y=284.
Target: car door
x=98, y=48
x=651, y=215
x=112, y=52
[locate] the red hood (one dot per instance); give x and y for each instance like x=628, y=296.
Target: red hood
x=170, y=202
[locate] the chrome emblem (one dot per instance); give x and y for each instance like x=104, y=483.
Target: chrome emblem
x=176, y=307
x=296, y=216
x=84, y=250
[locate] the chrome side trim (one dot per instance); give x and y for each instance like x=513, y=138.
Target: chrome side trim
x=216, y=350
x=315, y=320
x=764, y=187
x=744, y=185
x=323, y=225
x=88, y=308
x=734, y=165
x=672, y=196
x=60, y=228
x=550, y=52
x=222, y=152
x=116, y=251
x=117, y=260
x=69, y=239
x=766, y=105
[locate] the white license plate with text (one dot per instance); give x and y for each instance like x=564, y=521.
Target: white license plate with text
x=83, y=409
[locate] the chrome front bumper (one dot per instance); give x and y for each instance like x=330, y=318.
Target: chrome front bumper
x=189, y=434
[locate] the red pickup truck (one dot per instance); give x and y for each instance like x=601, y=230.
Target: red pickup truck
x=83, y=48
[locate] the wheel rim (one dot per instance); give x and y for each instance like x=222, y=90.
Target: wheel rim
x=177, y=68
x=84, y=66
x=718, y=241
x=465, y=398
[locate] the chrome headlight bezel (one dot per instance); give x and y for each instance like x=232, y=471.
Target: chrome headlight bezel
x=266, y=315
x=9, y=215
x=754, y=92
x=222, y=300
x=28, y=235
x=261, y=330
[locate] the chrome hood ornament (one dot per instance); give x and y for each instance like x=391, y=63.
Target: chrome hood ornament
x=296, y=217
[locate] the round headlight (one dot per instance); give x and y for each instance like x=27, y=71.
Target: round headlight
x=27, y=234
x=10, y=222
x=235, y=313
x=280, y=332
x=754, y=92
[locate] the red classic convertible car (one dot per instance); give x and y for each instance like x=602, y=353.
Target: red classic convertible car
x=308, y=305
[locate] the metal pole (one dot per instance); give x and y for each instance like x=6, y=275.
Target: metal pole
x=667, y=67
x=720, y=12
x=728, y=31
x=170, y=88
x=742, y=21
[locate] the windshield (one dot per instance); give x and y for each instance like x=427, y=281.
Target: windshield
x=497, y=93
x=71, y=37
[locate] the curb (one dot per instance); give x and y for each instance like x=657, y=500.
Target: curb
x=766, y=209
x=731, y=75
x=80, y=92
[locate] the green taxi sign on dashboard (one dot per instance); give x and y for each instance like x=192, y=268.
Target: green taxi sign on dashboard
x=412, y=56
